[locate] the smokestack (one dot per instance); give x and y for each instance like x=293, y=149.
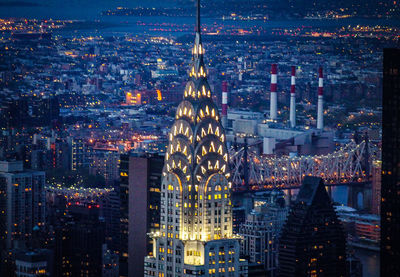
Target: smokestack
x=224, y=117
x=273, y=99
x=292, y=117
x=320, y=111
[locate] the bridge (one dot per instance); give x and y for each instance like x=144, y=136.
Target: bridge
x=78, y=193
x=347, y=165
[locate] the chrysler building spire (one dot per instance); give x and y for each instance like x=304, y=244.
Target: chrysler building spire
x=196, y=209
x=198, y=17
x=198, y=68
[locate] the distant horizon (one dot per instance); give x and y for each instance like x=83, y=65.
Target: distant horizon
x=91, y=10
x=70, y=9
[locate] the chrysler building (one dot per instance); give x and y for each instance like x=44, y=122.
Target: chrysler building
x=195, y=236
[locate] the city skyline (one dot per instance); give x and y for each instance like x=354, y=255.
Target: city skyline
x=127, y=149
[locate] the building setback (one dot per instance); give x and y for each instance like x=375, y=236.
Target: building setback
x=33, y=263
x=312, y=241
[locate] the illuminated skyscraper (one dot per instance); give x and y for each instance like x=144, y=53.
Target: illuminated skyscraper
x=195, y=237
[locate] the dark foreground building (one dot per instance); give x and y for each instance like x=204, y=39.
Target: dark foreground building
x=140, y=191
x=312, y=241
x=79, y=240
x=390, y=191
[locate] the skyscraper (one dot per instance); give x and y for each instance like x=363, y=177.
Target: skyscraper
x=124, y=214
x=312, y=241
x=196, y=238
x=390, y=189
x=105, y=162
x=140, y=186
x=261, y=230
x=80, y=153
x=22, y=203
x=79, y=239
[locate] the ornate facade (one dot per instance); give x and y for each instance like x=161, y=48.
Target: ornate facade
x=196, y=236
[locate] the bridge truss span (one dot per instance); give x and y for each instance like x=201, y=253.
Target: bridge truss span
x=348, y=164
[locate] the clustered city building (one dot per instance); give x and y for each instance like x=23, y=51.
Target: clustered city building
x=112, y=164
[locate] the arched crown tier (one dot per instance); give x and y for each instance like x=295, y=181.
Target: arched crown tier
x=197, y=159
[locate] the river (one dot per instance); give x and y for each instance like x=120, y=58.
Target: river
x=91, y=10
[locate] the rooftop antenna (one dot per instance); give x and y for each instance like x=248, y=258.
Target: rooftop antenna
x=198, y=17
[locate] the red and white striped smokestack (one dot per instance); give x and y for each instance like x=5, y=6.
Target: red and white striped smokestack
x=292, y=117
x=273, y=98
x=320, y=82
x=320, y=111
x=224, y=103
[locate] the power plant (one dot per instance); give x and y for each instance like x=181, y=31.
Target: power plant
x=273, y=136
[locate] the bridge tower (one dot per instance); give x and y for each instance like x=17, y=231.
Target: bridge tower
x=359, y=196
x=246, y=165
x=362, y=192
x=366, y=157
